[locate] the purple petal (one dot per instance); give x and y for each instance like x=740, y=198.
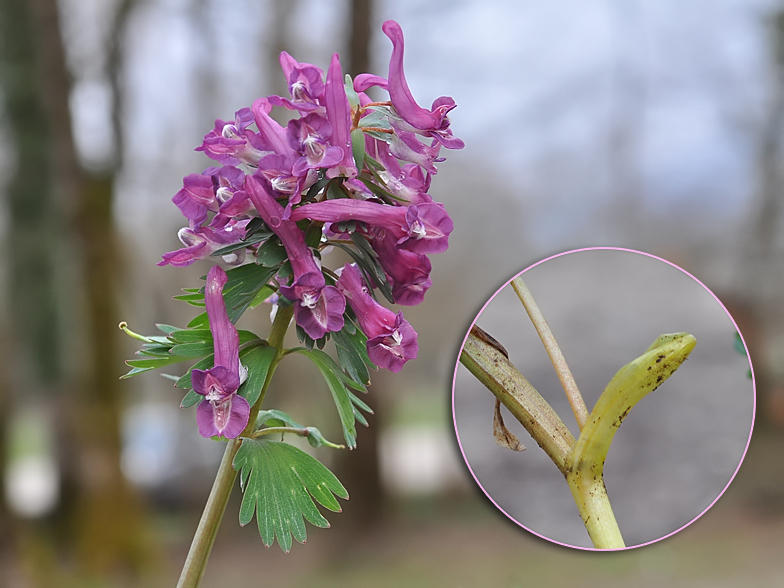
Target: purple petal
x=196, y=197
x=206, y=420
x=186, y=256
x=290, y=234
x=339, y=113
x=428, y=230
x=393, y=349
x=374, y=319
x=225, y=337
x=408, y=272
x=323, y=315
x=407, y=147
x=217, y=383
x=270, y=130
x=228, y=418
x=364, y=81
x=231, y=417
x=401, y=96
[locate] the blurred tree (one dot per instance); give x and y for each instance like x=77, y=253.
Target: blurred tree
x=63, y=253
x=34, y=369
x=761, y=267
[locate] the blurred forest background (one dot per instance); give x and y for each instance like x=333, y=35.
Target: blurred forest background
x=649, y=124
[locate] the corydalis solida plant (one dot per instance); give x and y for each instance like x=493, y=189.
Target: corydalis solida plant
x=346, y=172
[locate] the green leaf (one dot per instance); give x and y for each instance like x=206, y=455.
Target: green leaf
x=155, y=350
x=351, y=93
x=249, y=240
x=335, y=190
x=191, y=398
x=261, y=296
x=357, y=404
x=275, y=418
x=192, y=299
x=378, y=117
x=352, y=355
x=191, y=336
x=271, y=254
x=258, y=360
x=280, y=484
x=338, y=384
x=358, y=148
x=316, y=188
x=313, y=235
x=243, y=285
x=738, y=344
x=192, y=350
x=135, y=372
x=199, y=321
x=152, y=363
x=205, y=336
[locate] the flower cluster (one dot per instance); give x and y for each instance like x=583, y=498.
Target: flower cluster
x=358, y=171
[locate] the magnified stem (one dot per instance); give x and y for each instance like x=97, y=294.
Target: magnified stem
x=559, y=362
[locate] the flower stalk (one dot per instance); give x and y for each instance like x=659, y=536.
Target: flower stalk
x=203, y=539
x=582, y=461
x=559, y=362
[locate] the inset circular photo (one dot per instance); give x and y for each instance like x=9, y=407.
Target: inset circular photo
x=603, y=399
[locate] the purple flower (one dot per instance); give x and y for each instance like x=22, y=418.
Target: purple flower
x=318, y=308
x=305, y=84
x=223, y=411
x=391, y=339
x=202, y=242
x=215, y=189
x=421, y=228
x=339, y=116
x=433, y=122
x=232, y=143
x=407, y=147
x=196, y=198
x=408, y=272
x=310, y=136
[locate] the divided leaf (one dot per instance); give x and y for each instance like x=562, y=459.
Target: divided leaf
x=179, y=345
x=352, y=353
x=338, y=384
x=280, y=484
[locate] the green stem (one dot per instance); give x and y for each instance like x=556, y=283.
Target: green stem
x=585, y=462
x=203, y=539
x=196, y=562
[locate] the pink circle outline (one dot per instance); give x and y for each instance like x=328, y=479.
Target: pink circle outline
x=753, y=413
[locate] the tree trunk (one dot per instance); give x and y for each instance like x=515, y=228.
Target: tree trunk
x=64, y=266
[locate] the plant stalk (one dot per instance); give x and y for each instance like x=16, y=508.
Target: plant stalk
x=556, y=357
x=203, y=539
x=493, y=369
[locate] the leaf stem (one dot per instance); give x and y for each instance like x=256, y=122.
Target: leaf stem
x=493, y=369
x=203, y=539
x=301, y=431
x=559, y=362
